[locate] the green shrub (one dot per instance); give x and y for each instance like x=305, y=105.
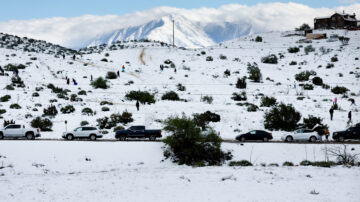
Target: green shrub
x=288, y=163
x=44, y=124
x=282, y=117
x=209, y=58
x=106, y=103
x=50, y=111
x=309, y=49
x=9, y=87
x=239, y=97
x=317, y=81
x=307, y=86
x=115, y=119
x=180, y=87
x=329, y=66
x=305, y=163
x=303, y=76
x=105, y=123
x=273, y=165
x=241, y=83
x=240, y=163
x=293, y=49
x=84, y=123
x=15, y=106
x=143, y=97
x=67, y=109
x=268, y=101
x=303, y=27
x=202, y=120
x=252, y=108
x=334, y=59
x=208, y=99
x=75, y=98
x=171, y=95
x=270, y=59
x=105, y=109
x=35, y=94
x=87, y=111
x=2, y=111
x=258, y=39
x=222, y=57
x=118, y=128
x=82, y=92
x=5, y=98
x=186, y=144
x=104, y=60
x=100, y=83
x=312, y=121
x=227, y=73
x=325, y=164
x=339, y=90
x=293, y=63
x=254, y=72
x=111, y=75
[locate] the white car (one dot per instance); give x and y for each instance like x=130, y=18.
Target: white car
x=18, y=131
x=302, y=135
x=88, y=132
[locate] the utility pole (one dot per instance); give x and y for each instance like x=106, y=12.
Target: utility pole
x=173, y=33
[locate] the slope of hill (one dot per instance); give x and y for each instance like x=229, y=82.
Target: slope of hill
x=200, y=71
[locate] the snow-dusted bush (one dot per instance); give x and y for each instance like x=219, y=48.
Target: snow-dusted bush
x=180, y=87
x=82, y=92
x=293, y=63
x=114, y=119
x=171, y=95
x=15, y=106
x=309, y=49
x=2, y=111
x=99, y=83
x=223, y=57
x=329, y=66
x=270, y=59
x=239, y=96
x=87, y=111
x=209, y=58
x=227, y=73
x=312, y=121
x=240, y=163
x=111, y=75
x=208, y=99
x=8, y=122
x=35, y=94
x=258, y=39
x=84, y=123
x=118, y=128
x=268, y=101
x=334, y=59
x=282, y=117
x=254, y=72
x=187, y=144
x=288, y=163
x=303, y=76
x=67, y=109
x=106, y=103
x=317, y=81
x=5, y=98
x=75, y=98
x=241, y=83
x=339, y=90
x=105, y=109
x=307, y=86
x=44, y=124
x=294, y=49
x=143, y=97
x=252, y=108
x=202, y=120
x=9, y=87
x=104, y=60
x=50, y=111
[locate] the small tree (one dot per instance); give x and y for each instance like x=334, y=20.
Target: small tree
x=303, y=27
x=239, y=96
x=344, y=40
x=241, y=83
x=143, y=97
x=317, y=81
x=99, y=83
x=268, y=101
x=43, y=124
x=50, y=111
x=254, y=72
x=282, y=117
x=258, y=39
x=173, y=96
x=270, y=59
x=293, y=49
x=339, y=90
x=202, y=120
x=188, y=145
x=111, y=75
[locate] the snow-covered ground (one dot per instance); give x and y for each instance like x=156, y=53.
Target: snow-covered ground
x=200, y=77
x=134, y=171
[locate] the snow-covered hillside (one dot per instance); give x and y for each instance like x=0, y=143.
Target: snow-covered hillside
x=199, y=76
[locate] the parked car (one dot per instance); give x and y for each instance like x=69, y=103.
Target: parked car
x=350, y=133
x=18, y=131
x=255, y=135
x=302, y=135
x=137, y=132
x=87, y=132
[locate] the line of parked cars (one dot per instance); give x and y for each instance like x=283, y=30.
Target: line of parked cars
x=93, y=133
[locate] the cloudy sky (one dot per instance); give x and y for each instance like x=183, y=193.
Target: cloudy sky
x=72, y=22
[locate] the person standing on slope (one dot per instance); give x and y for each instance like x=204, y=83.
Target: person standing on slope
x=137, y=105
x=331, y=113
x=349, y=116
x=123, y=69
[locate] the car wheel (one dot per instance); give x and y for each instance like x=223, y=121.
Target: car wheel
x=152, y=138
x=93, y=137
x=242, y=139
x=289, y=139
x=341, y=139
x=313, y=139
x=30, y=136
x=266, y=139
x=1, y=136
x=69, y=137
x=122, y=138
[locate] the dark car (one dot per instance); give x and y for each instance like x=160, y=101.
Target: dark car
x=137, y=132
x=255, y=135
x=350, y=133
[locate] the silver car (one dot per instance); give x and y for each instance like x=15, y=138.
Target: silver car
x=302, y=135
x=87, y=132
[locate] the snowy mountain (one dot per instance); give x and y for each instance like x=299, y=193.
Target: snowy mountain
x=188, y=32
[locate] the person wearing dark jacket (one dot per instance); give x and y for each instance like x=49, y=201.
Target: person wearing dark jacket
x=349, y=116
x=137, y=105
x=67, y=81
x=331, y=113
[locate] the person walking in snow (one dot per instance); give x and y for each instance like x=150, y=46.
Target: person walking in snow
x=118, y=73
x=63, y=56
x=335, y=101
x=123, y=69
x=74, y=57
x=349, y=116
x=67, y=81
x=137, y=105
x=175, y=70
x=331, y=113
x=74, y=81
x=91, y=77
x=327, y=134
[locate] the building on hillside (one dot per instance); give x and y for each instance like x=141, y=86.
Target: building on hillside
x=336, y=21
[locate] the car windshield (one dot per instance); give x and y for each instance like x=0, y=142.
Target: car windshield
x=299, y=131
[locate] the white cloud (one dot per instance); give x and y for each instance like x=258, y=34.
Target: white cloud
x=75, y=32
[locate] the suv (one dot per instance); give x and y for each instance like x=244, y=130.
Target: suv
x=87, y=132
x=350, y=133
x=17, y=130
